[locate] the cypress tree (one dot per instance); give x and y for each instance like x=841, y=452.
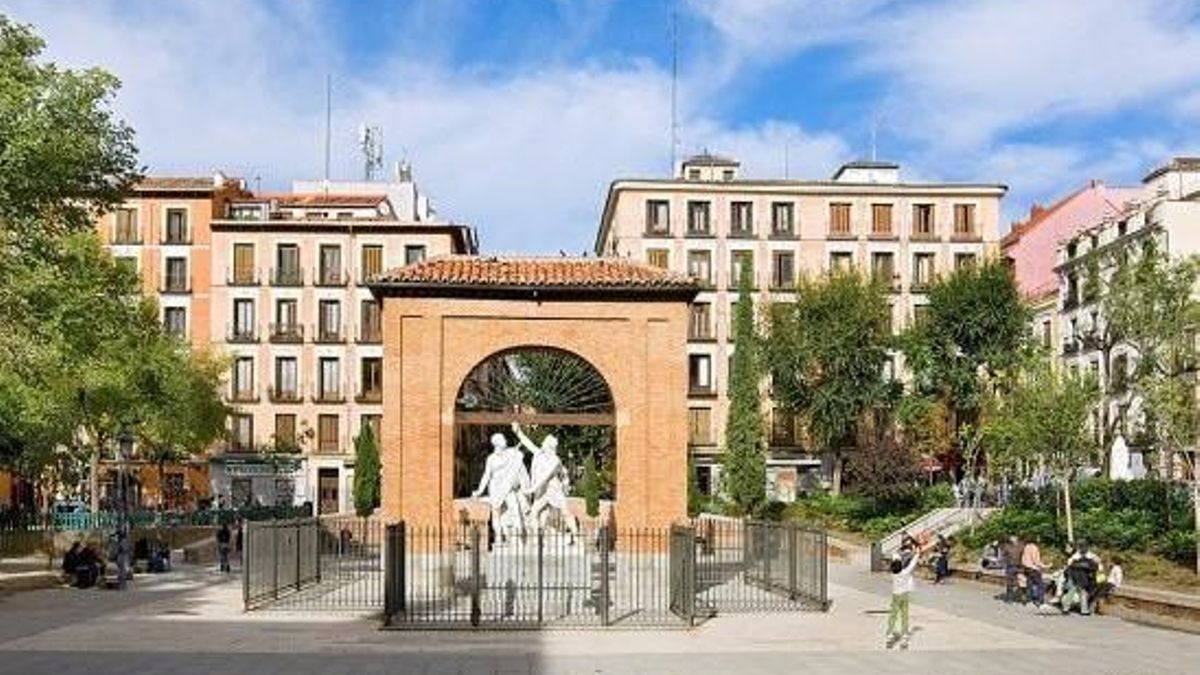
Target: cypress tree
x=366, y=473
x=744, y=456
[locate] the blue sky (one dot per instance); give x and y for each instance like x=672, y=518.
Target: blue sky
x=516, y=114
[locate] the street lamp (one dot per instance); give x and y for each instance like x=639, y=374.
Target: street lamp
x=124, y=450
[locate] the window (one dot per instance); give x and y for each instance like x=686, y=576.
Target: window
x=727, y=174
x=285, y=432
x=287, y=327
x=329, y=321
x=372, y=261
x=693, y=174
x=1122, y=227
x=287, y=378
x=177, y=277
x=923, y=224
x=700, y=426
x=697, y=221
x=243, y=320
x=700, y=266
x=175, y=321
x=329, y=379
x=414, y=253
x=658, y=216
x=783, y=269
x=962, y=260
x=700, y=380
x=372, y=378
x=126, y=230
x=371, y=324
x=658, y=257
x=176, y=226
x=287, y=265
x=741, y=218
x=839, y=218
x=922, y=273
x=782, y=218
x=243, y=264
x=1119, y=371
x=783, y=427
x=841, y=261
x=881, y=219
x=964, y=220
x=741, y=260
x=241, y=432
x=330, y=272
x=243, y=378
x=327, y=434
x=1046, y=334
x=919, y=313
x=372, y=422
x=883, y=267
x=700, y=323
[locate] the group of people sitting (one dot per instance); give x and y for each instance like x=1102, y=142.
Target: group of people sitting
x=83, y=565
x=1079, y=584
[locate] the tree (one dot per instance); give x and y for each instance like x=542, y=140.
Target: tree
x=975, y=328
x=884, y=472
x=695, y=499
x=744, y=456
x=826, y=354
x=591, y=486
x=366, y=472
x=1043, y=416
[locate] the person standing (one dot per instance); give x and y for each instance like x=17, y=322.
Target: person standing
x=1012, y=565
x=223, y=538
x=902, y=568
x=1031, y=562
x=941, y=568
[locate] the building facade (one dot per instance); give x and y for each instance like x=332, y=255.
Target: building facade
x=1163, y=214
x=277, y=283
x=708, y=222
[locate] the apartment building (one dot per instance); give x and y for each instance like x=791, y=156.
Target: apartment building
x=1031, y=249
x=1163, y=213
x=292, y=311
x=708, y=221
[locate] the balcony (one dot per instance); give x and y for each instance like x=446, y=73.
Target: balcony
x=176, y=286
x=287, y=276
x=328, y=395
x=243, y=396
x=285, y=395
x=919, y=286
x=243, y=278
x=176, y=239
x=923, y=236
x=238, y=334
x=883, y=235
x=701, y=333
x=366, y=276
x=370, y=335
x=287, y=333
x=370, y=396
x=966, y=237
x=127, y=241
x=328, y=335
x=330, y=277
x=838, y=234
x=696, y=391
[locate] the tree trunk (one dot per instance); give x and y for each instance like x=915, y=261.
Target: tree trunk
x=837, y=474
x=162, y=484
x=1196, y=504
x=1067, y=508
x=94, y=479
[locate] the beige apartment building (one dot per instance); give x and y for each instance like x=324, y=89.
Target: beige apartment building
x=276, y=282
x=708, y=222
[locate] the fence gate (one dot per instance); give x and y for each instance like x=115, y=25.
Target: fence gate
x=682, y=562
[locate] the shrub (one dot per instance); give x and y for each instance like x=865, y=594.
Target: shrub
x=1124, y=530
x=937, y=496
x=1038, y=525
x=1177, y=546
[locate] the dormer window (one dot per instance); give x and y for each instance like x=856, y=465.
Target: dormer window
x=727, y=174
x=693, y=174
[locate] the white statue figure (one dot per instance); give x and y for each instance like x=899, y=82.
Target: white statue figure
x=505, y=480
x=550, y=483
x=1118, y=465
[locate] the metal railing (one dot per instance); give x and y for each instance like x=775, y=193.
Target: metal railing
x=280, y=557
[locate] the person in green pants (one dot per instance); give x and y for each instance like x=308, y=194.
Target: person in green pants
x=903, y=566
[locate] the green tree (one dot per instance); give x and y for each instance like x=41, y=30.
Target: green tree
x=366, y=472
x=744, y=457
x=591, y=486
x=826, y=353
x=1043, y=416
x=695, y=499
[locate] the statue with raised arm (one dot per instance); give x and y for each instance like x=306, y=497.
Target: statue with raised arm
x=550, y=483
x=505, y=481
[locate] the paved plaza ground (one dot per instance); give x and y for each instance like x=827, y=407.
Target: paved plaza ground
x=190, y=622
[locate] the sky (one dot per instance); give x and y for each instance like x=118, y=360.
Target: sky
x=517, y=114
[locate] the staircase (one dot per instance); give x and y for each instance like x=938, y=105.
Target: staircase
x=946, y=522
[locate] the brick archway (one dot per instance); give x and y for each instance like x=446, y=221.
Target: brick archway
x=444, y=316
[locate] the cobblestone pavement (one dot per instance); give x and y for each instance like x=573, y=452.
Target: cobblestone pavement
x=191, y=622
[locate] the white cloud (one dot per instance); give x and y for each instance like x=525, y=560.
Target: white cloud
x=525, y=156
x=771, y=29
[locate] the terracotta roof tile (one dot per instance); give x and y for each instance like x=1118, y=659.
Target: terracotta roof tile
x=175, y=183
x=464, y=270
x=320, y=199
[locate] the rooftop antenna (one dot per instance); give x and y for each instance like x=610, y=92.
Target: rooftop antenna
x=370, y=139
x=786, y=148
x=674, y=83
x=328, y=124
x=874, y=133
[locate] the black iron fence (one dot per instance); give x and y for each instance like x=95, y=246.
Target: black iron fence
x=456, y=578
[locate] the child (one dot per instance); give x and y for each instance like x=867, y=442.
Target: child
x=902, y=586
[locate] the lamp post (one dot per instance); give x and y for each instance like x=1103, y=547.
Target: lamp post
x=124, y=450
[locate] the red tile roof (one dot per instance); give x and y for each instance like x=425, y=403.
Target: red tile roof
x=183, y=183
x=320, y=199
x=549, y=273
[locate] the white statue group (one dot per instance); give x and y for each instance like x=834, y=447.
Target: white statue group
x=521, y=500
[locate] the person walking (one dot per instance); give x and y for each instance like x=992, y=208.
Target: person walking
x=902, y=568
x=941, y=567
x=1012, y=565
x=223, y=538
x=1031, y=562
